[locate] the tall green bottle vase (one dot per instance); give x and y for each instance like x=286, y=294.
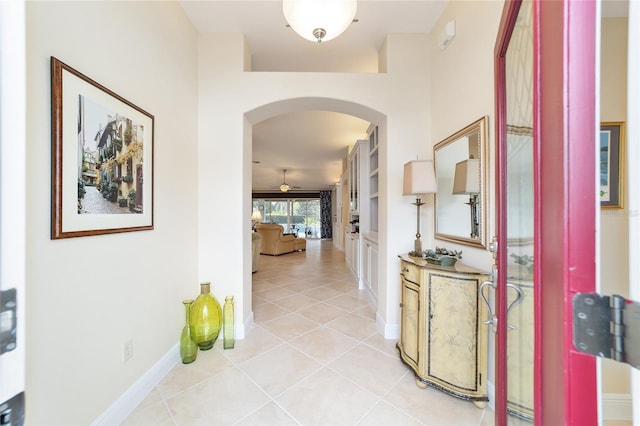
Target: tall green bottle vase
x=227, y=322
x=188, y=346
x=206, y=317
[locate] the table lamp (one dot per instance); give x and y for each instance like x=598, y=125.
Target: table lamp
x=255, y=218
x=467, y=181
x=419, y=179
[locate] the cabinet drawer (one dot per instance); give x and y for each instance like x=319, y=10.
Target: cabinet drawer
x=410, y=272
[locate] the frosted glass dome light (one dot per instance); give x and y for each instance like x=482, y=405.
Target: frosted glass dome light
x=319, y=20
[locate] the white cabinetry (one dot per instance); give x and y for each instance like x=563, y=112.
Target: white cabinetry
x=359, y=185
x=358, y=206
x=370, y=266
x=362, y=248
x=373, y=178
x=347, y=247
x=352, y=252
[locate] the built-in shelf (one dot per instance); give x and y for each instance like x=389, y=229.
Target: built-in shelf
x=373, y=178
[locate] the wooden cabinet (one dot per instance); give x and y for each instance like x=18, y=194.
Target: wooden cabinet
x=442, y=337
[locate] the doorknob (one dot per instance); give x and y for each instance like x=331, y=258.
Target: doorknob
x=493, y=320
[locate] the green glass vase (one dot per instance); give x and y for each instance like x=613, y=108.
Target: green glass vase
x=188, y=346
x=206, y=318
x=227, y=322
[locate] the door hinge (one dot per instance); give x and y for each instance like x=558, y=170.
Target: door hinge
x=607, y=326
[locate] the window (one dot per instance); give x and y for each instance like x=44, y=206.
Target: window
x=297, y=216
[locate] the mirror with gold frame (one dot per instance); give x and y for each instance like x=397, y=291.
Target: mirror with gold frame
x=461, y=201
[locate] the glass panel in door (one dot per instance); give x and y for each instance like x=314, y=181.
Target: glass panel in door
x=518, y=223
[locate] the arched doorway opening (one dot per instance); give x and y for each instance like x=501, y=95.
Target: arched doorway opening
x=277, y=108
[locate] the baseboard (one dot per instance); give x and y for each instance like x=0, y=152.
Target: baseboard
x=132, y=397
x=248, y=322
x=389, y=331
x=617, y=406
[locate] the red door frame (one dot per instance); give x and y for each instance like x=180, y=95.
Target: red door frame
x=566, y=65
x=565, y=203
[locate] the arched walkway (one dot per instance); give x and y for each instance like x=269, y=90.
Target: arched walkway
x=285, y=106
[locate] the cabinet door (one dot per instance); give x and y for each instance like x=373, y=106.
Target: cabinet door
x=410, y=322
x=453, y=307
x=373, y=269
x=347, y=248
x=366, y=264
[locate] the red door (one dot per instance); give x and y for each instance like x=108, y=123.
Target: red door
x=562, y=124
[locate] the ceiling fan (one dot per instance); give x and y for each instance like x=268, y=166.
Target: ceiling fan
x=285, y=187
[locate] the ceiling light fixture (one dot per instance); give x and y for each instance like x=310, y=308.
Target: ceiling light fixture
x=319, y=20
x=284, y=187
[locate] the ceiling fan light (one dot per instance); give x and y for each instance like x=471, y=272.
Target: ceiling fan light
x=284, y=187
x=319, y=20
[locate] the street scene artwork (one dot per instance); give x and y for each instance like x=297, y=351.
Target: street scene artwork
x=110, y=147
x=611, y=163
x=102, y=158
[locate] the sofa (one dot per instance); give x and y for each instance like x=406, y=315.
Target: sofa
x=299, y=244
x=256, y=246
x=274, y=243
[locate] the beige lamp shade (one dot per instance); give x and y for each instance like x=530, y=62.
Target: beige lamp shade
x=419, y=178
x=467, y=177
x=256, y=216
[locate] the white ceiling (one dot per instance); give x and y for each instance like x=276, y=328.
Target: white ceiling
x=309, y=144
x=312, y=144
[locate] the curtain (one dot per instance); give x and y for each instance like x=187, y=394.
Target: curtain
x=326, y=227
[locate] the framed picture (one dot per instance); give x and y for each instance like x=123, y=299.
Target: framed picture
x=612, y=162
x=102, y=158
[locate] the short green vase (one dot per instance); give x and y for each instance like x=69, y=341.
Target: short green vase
x=188, y=346
x=206, y=318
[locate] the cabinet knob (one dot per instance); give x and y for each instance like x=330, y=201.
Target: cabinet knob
x=405, y=269
x=402, y=305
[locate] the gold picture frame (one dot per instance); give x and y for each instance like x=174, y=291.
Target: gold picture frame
x=612, y=164
x=102, y=158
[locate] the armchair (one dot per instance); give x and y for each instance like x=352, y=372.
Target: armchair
x=273, y=242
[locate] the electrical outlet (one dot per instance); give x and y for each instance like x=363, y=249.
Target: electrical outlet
x=127, y=350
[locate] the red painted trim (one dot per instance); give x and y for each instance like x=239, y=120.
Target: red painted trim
x=507, y=23
x=564, y=58
x=538, y=383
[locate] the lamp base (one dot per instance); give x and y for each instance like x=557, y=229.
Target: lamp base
x=417, y=248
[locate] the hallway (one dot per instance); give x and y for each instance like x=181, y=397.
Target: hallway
x=312, y=357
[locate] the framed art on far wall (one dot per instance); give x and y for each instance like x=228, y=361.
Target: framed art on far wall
x=102, y=158
x=612, y=160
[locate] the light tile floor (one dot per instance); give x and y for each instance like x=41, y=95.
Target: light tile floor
x=313, y=357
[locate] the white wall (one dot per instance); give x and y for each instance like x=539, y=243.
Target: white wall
x=614, y=224
x=231, y=100
x=87, y=296
x=462, y=92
